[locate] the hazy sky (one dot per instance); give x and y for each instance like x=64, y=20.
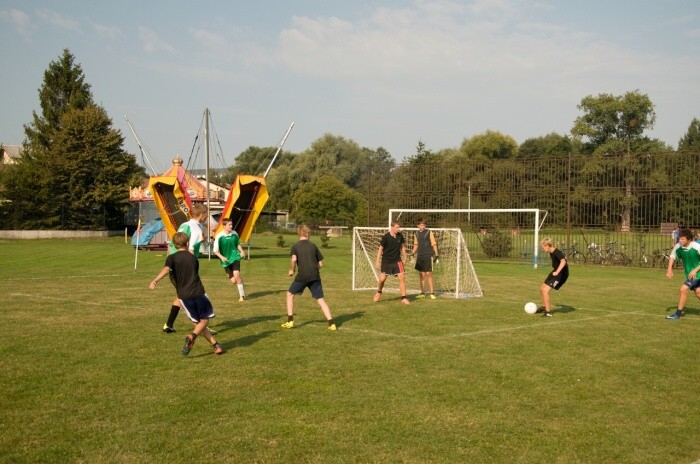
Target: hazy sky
x=380, y=72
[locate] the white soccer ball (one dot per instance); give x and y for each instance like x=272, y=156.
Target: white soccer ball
x=530, y=308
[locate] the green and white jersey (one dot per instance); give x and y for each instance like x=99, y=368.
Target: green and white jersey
x=690, y=256
x=227, y=245
x=194, y=231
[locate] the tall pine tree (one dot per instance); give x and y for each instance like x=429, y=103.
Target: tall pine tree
x=74, y=173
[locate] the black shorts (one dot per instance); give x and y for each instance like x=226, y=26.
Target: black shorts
x=315, y=286
x=555, y=281
x=392, y=268
x=198, y=308
x=234, y=266
x=424, y=264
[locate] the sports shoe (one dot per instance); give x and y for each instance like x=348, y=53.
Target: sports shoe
x=189, y=341
x=288, y=325
x=547, y=314
x=212, y=331
x=405, y=301
x=433, y=297
x=422, y=295
x=332, y=327
x=241, y=298
x=377, y=296
x=218, y=349
x=168, y=330
x=675, y=315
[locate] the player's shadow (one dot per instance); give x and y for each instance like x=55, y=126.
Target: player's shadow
x=268, y=256
x=565, y=309
x=693, y=311
x=231, y=324
x=247, y=340
x=339, y=320
x=343, y=318
x=254, y=295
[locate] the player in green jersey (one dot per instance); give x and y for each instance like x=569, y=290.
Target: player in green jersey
x=689, y=251
x=227, y=247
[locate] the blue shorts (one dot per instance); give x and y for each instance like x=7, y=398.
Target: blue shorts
x=692, y=284
x=297, y=288
x=198, y=308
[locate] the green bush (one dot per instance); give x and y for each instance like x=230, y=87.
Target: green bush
x=280, y=240
x=497, y=244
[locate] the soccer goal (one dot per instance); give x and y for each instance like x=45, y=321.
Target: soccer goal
x=522, y=224
x=453, y=276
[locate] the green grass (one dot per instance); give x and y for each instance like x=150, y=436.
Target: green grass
x=87, y=375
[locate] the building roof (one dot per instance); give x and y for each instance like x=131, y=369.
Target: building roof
x=10, y=153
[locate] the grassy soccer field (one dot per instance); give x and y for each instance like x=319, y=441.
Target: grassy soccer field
x=88, y=376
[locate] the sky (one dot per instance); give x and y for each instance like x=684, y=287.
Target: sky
x=384, y=73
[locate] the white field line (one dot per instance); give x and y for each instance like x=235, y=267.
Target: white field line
x=545, y=323
x=54, y=278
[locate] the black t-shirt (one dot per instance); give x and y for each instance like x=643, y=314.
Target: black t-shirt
x=557, y=256
x=425, y=247
x=391, y=247
x=184, y=274
x=308, y=256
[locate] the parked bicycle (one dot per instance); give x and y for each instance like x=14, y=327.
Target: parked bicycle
x=572, y=254
x=644, y=259
x=598, y=255
x=661, y=259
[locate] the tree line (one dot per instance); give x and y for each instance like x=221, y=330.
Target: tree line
x=75, y=174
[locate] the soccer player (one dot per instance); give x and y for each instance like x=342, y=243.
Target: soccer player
x=183, y=268
x=227, y=246
x=193, y=230
x=307, y=258
x=425, y=246
x=391, y=257
x=689, y=251
x=556, y=278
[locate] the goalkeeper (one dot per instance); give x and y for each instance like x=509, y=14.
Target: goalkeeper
x=425, y=248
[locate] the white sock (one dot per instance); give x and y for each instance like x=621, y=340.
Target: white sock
x=241, y=292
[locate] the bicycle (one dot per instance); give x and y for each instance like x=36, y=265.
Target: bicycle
x=608, y=255
x=661, y=259
x=614, y=257
x=573, y=255
x=644, y=260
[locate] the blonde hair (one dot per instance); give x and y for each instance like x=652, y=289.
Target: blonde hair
x=547, y=242
x=303, y=230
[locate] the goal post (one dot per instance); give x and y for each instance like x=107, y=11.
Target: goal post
x=535, y=224
x=454, y=276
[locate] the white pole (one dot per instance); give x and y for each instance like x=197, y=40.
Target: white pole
x=206, y=176
x=279, y=148
x=143, y=154
x=138, y=239
x=537, y=238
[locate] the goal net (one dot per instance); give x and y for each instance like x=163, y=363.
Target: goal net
x=454, y=276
